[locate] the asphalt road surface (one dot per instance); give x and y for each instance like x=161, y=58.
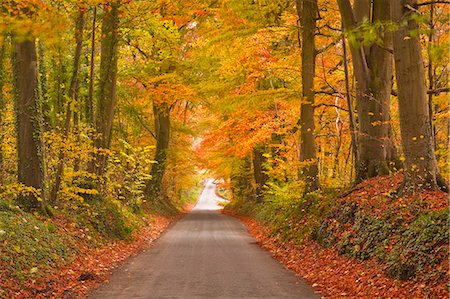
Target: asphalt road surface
x=204, y=255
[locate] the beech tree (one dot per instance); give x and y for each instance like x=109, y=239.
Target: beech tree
x=2, y=106
x=307, y=13
x=106, y=99
x=161, y=113
x=372, y=65
x=421, y=171
x=29, y=123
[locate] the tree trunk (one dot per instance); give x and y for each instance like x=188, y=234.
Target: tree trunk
x=162, y=130
x=259, y=172
x=61, y=84
x=43, y=87
x=431, y=75
x=107, y=85
x=2, y=108
x=29, y=122
x=90, y=105
x=73, y=89
x=373, y=72
x=351, y=114
x=309, y=171
x=421, y=170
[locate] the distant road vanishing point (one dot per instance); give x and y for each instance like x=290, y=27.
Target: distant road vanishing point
x=204, y=255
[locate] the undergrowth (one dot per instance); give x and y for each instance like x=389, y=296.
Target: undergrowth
x=32, y=245
x=407, y=236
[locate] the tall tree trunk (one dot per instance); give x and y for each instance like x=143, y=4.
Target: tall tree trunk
x=73, y=90
x=373, y=72
x=309, y=171
x=106, y=100
x=259, y=173
x=338, y=145
x=421, y=170
x=61, y=80
x=431, y=75
x=91, y=70
x=29, y=122
x=2, y=107
x=351, y=113
x=43, y=87
x=161, y=114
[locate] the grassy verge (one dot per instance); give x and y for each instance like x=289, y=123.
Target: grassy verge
x=44, y=257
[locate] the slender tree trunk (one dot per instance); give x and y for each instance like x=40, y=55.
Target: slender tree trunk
x=308, y=156
x=107, y=85
x=73, y=89
x=338, y=123
x=431, y=75
x=43, y=87
x=61, y=75
x=373, y=72
x=29, y=123
x=76, y=130
x=162, y=130
x=351, y=113
x=91, y=70
x=421, y=170
x=259, y=173
x=2, y=108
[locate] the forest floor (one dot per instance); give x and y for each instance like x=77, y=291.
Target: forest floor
x=92, y=265
x=340, y=276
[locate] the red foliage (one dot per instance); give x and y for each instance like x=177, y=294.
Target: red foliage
x=372, y=195
x=337, y=276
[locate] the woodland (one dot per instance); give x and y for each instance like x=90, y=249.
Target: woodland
x=325, y=123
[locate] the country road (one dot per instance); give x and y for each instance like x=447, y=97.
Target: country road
x=204, y=255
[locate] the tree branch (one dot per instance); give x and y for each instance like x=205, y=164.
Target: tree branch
x=432, y=91
x=329, y=46
x=330, y=105
x=432, y=2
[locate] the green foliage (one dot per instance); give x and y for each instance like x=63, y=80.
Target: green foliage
x=128, y=172
x=369, y=33
x=31, y=246
x=423, y=244
x=370, y=240
x=290, y=214
x=108, y=220
x=405, y=248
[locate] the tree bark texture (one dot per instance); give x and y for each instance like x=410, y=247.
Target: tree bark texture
x=309, y=171
x=92, y=69
x=351, y=114
x=106, y=99
x=29, y=121
x=2, y=107
x=161, y=114
x=421, y=170
x=43, y=87
x=373, y=72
